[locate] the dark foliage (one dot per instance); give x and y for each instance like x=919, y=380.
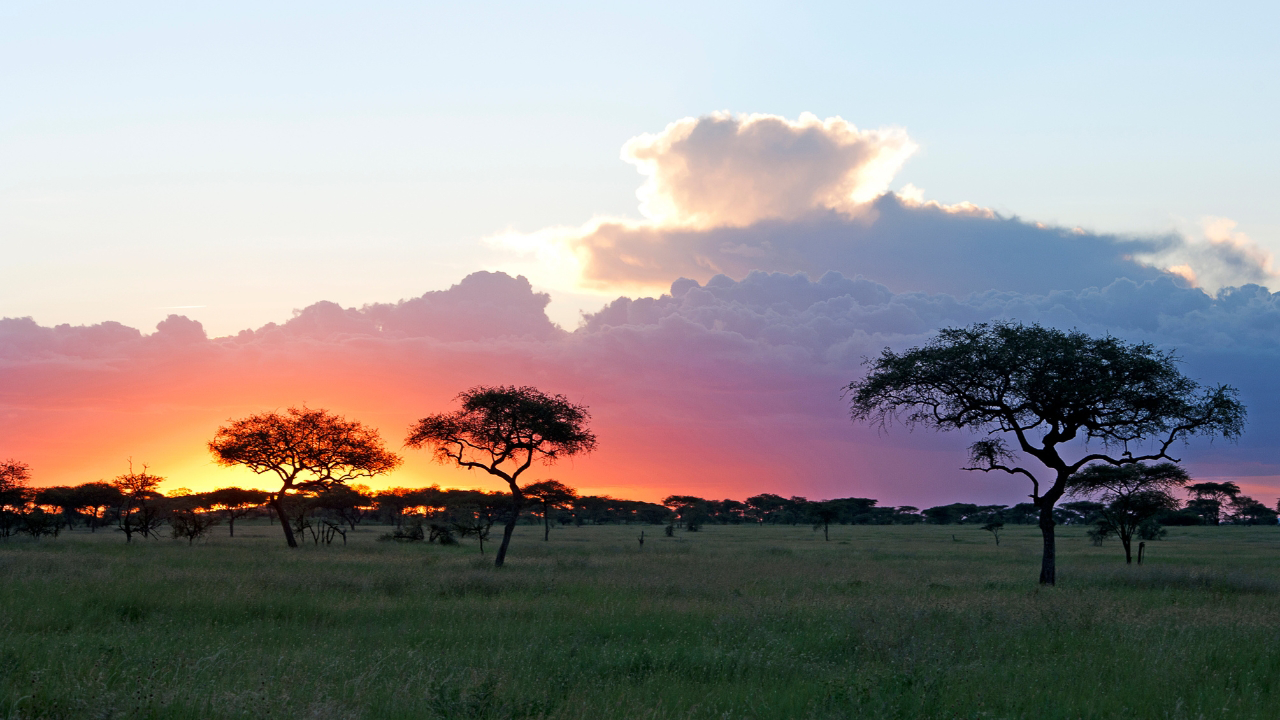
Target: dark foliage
x=1045, y=389
x=503, y=430
x=1133, y=497
x=307, y=450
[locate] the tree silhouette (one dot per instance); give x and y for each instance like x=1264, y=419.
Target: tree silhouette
x=139, y=509
x=1209, y=499
x=190, y=518
x=825, y=513
x=553, y=494
x=1046, y=389
x=690, y=510
x=1247, y=511
x=1132, y=496
x=994, y=527
x=234, y=503
x=14, y=495
x=306, y=449
x=503, y=430
x=344, y=504
x=65, y=498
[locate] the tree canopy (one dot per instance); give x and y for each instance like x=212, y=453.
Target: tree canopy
x=306, y=449
x=1047, y=390
x=1132, y=496
x=503, y=430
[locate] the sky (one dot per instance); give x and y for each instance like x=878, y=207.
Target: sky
x=297, y=170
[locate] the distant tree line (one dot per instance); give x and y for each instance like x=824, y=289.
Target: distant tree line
x=132, y=505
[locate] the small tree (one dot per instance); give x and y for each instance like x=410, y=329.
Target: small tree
x=690, y=510
x=65, y=498
x=95, y=501
x=503, y=430
x=1132, y=496
x=825, y=513
x=553, y=495
x=474, y=514
x=994, y=527
x=1209, y=499
x=345, y=504
x=234, y=503
x=306, y=449
x=1051, y=392
x=190, y=518
x=14, y=496
x=139, y=509
x=1247, y=511
x=37, y=523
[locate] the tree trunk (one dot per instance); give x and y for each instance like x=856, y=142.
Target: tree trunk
x=1048, y=562
x=506, y=536
x=1128, y=554
x=231, y=525
x=517, y=502
x=278, y=504
x=546, y=523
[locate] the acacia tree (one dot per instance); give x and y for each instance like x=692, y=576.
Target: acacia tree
x=1132, y=496
x=553, y=495
x=63, y=497
x=1052, y=392
x=14, y=494
x=502, y=430
x=308, y=450
x=139, y=510
x=234, y=503
x=824, y=513
x=1209, y=499
x=94, y=501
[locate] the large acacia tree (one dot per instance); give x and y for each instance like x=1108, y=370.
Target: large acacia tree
x=1065, y=399
x=503, y=430
x=308, y=450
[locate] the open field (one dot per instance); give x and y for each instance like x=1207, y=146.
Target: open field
x=730, y=622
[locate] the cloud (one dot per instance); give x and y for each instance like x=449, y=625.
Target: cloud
x=723, y=388
x=723, y=170
x=905, y=246
x=779, y=262
x=1219, y=257
x=728, y=194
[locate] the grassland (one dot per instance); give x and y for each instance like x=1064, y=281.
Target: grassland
x=731, y=622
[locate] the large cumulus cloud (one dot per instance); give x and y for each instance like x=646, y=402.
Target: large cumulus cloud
x=722, y=170
x=724, y=388
x=728, y=194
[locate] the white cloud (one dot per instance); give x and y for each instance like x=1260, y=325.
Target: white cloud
x=728, y=194
x=725, y=170
x=1215, y=255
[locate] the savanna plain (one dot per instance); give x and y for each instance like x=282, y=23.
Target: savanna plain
x=729, y=622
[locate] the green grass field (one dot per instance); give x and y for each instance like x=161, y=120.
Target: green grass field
x=730, y=622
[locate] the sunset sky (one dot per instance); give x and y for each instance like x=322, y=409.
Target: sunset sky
x=696, y=218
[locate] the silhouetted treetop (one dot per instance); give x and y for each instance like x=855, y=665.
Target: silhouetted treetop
x=503, y=430
x=306, y=448
x=504, y=424
x=309, y=450
x=1029, y=380
x=1045, y=389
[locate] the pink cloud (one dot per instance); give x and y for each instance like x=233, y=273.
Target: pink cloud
x=724, y=389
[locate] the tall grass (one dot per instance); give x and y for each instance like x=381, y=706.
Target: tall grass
x=730, y=622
